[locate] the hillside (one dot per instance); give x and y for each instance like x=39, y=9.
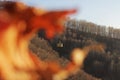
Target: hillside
x=102, y=65
x=44, y=51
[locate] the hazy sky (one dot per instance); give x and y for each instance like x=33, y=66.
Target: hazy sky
x=102, y=12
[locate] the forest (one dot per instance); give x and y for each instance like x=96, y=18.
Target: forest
x=104, y=65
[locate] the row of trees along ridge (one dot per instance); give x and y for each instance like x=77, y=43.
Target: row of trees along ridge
x=92, y=28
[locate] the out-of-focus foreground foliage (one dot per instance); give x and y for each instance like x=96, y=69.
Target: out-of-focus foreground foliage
x=18, y=23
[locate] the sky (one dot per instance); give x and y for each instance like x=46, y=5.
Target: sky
x=101, y=12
